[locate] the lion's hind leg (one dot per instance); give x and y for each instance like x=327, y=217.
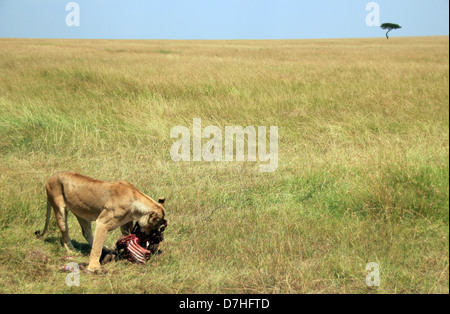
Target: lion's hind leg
x=61, y=218
x=55, y=196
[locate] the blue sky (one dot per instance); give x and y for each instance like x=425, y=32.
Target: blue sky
x=225, y=19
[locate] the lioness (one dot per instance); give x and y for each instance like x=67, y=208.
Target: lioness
x=110, y=204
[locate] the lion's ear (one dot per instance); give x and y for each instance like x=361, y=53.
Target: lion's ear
x=161, y=200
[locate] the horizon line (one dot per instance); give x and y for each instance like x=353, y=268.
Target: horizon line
x=224, y=39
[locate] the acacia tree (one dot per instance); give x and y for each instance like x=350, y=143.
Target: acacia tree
x=389, y=27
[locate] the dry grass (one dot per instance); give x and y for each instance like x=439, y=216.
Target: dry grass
x=362, y=176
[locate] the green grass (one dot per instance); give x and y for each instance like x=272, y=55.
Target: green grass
x=362, y=175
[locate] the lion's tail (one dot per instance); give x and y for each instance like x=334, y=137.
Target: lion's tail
x=47, y=220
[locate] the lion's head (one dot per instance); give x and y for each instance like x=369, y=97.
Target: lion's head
x=154, y=219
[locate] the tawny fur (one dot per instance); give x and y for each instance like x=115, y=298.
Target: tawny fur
x=109, y=204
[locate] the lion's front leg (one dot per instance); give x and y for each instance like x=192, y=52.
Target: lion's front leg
x=126, y=228
x=101, y=230
x=87, y=230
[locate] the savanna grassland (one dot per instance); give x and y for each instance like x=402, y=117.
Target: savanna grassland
x=362, y=173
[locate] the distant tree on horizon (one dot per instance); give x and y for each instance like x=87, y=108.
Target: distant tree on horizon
x=389, y=27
